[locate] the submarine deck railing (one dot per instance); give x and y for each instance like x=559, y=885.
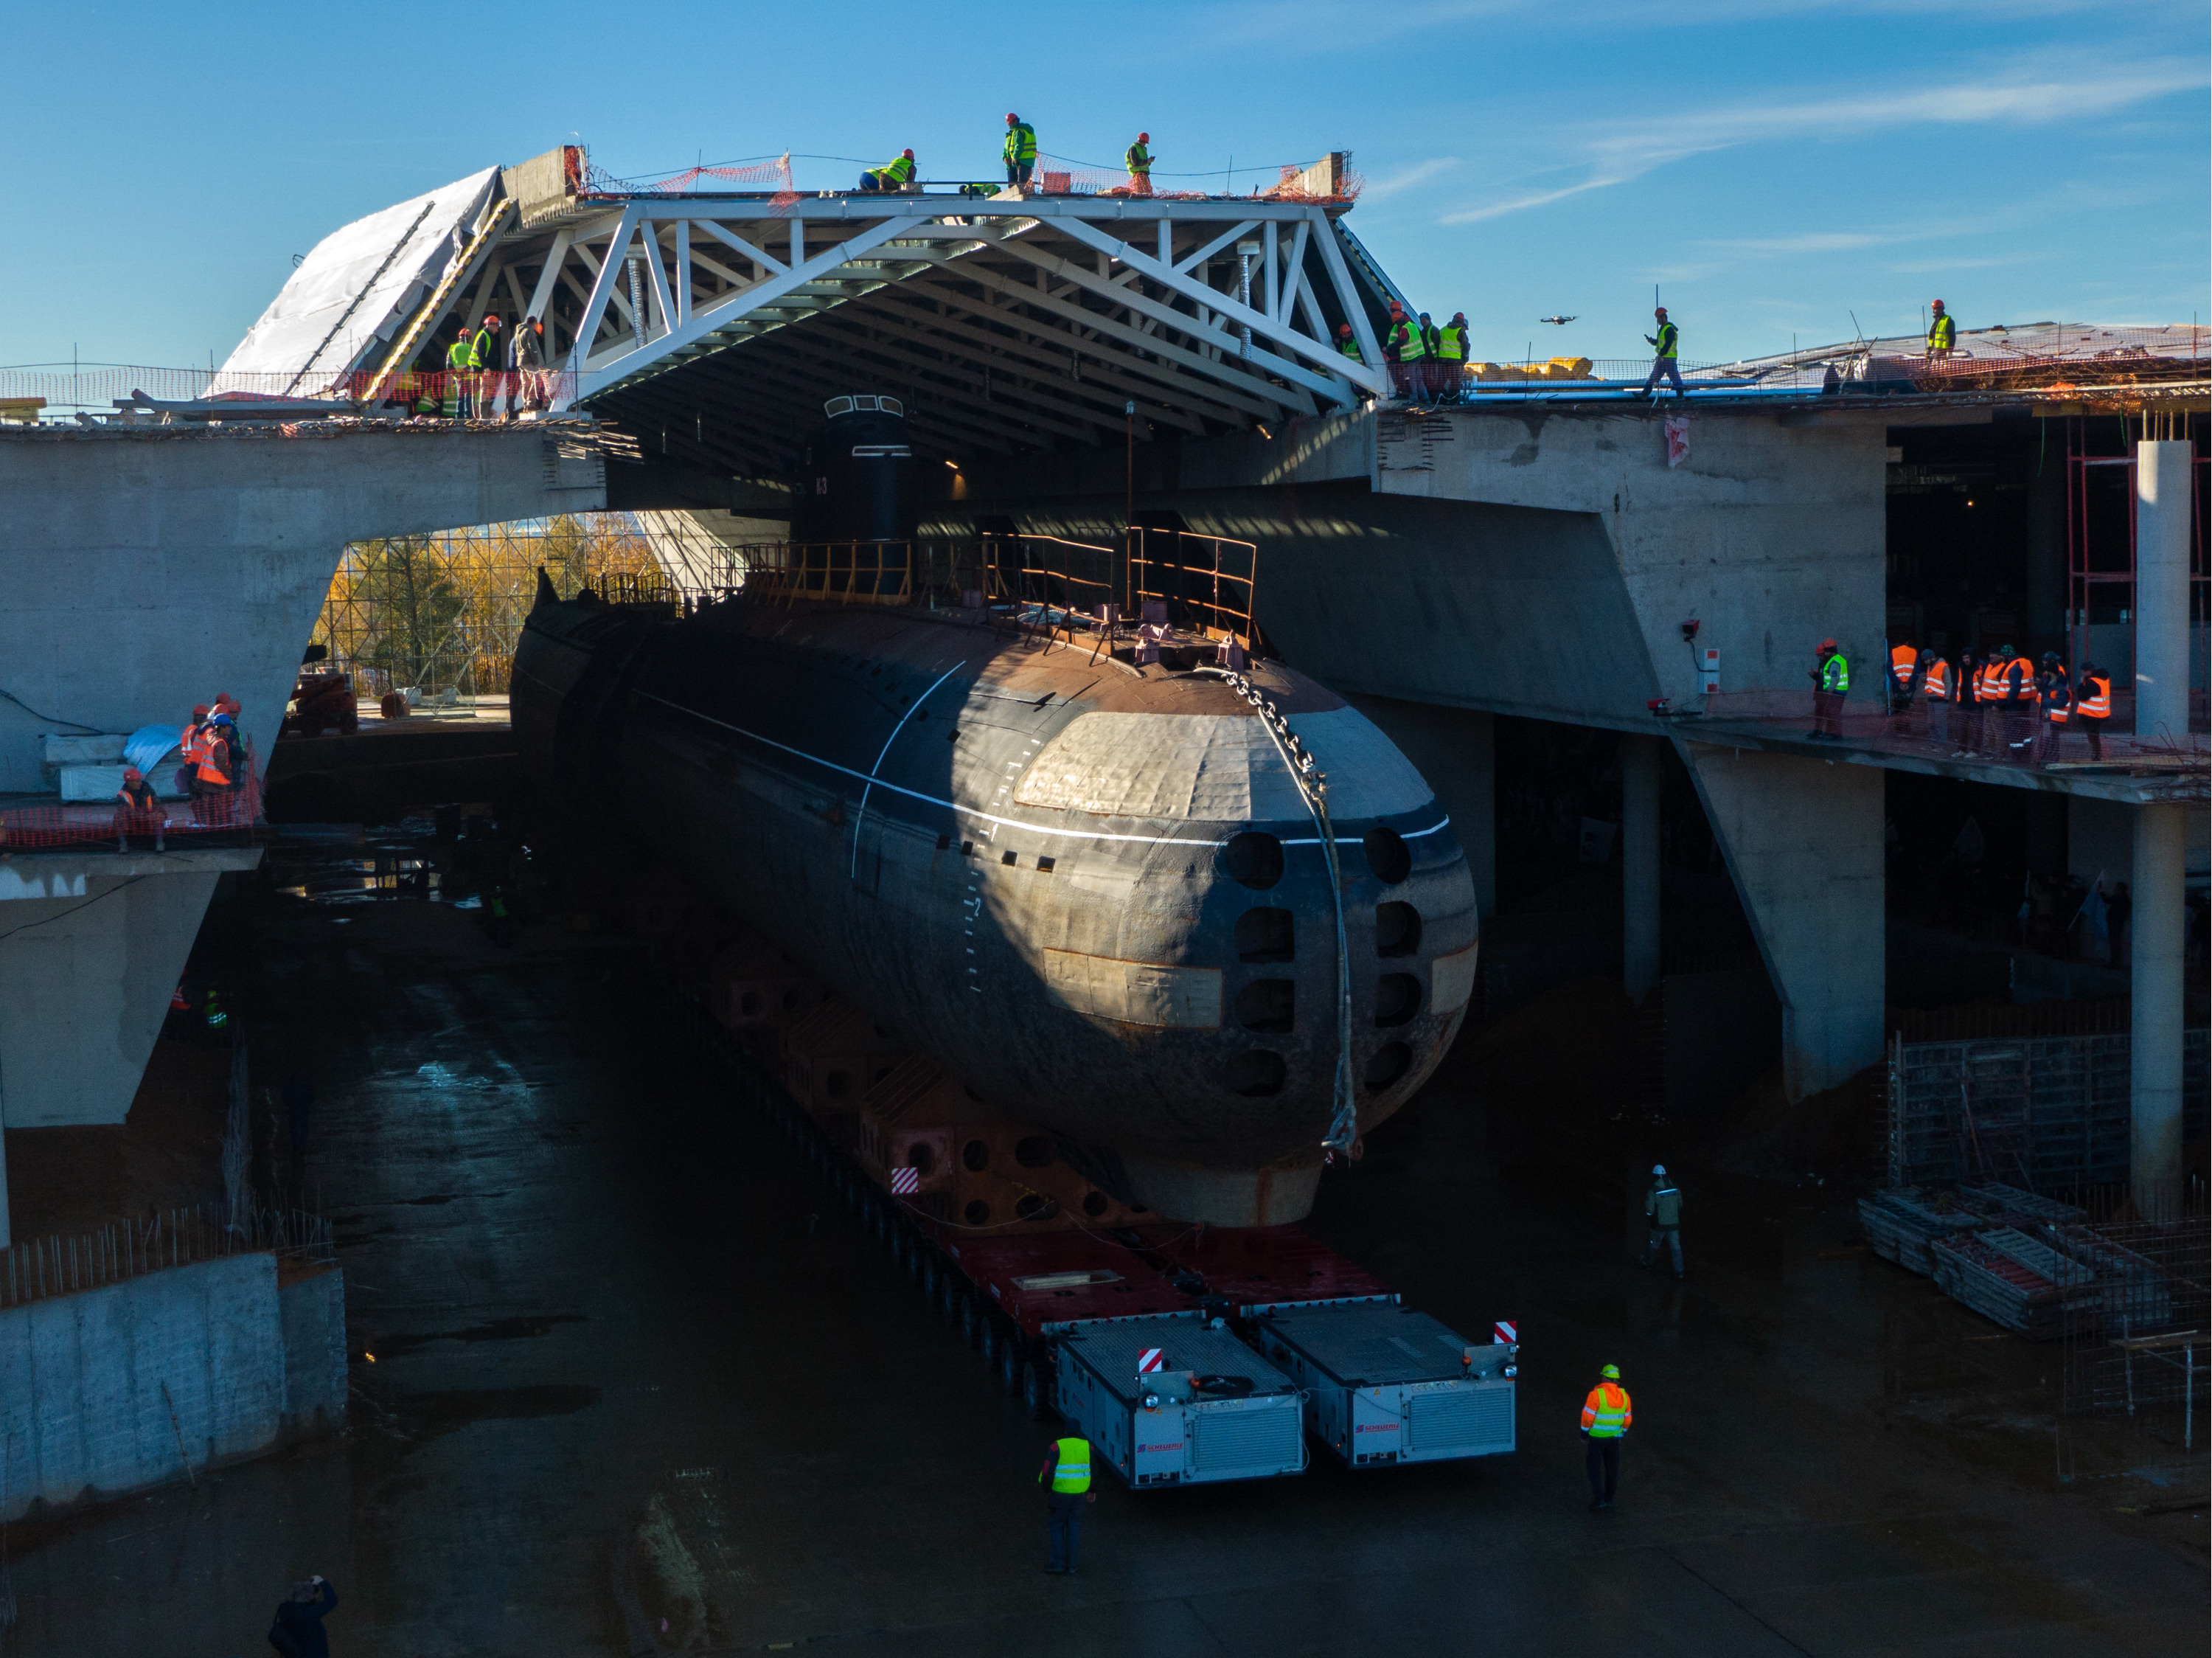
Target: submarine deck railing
x=1164, y=580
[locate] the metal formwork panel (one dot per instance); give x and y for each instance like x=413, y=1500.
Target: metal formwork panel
x=2048, y=1112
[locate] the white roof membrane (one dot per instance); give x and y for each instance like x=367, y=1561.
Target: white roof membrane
x=354, y=291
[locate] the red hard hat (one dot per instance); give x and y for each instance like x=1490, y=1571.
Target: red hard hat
x=908, y=154
x=1012, y=117
x=221, y=698
x=1937, y=303
x=1343, y=328
x=1144, y=138
x=1828, y=644
x=201, y=711
x=1658, y=310
x=132, y=774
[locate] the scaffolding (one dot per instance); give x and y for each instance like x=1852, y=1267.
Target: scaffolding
x=430, y=613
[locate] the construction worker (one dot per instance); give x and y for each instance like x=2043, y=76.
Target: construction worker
x=1904, y=680
x=486, y=357
x=1020, y=150
x=192, y=744
x=894, y=174
x=1065, y=1477
x=1662, y=1215
x=2017, y=696
x=1665, y=346
x=1942, y=332
x=218, y=769
x=1968, y=732
x=1411, y=340
x=1347, y=344
x=1832, y=683
x=1606, y=1416
x=460, y=359
x=1936, y=687
x=2055, y=699
x=1138, y=158
x=1451, y=351
x=527, y=358
x=2094, y=708
x=136, y=808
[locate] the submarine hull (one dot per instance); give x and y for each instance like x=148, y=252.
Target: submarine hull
x=1090, y=889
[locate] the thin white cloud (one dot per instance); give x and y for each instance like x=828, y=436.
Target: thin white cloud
x=1407, y=178
x=2030, y=96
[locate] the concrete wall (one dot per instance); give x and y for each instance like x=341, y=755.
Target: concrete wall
x=120, y=1388
x=312, y=1310
x=142, y=571
x=1804, y=841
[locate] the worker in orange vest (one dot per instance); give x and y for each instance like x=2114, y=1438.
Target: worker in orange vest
x=1904, y=680
x=1935, y=689
x=136, y=808
x=218, y=770
x=2056, y=696
x=1606, y=1416
x=192, y=744
x=2093, y=707
x=2016, y=695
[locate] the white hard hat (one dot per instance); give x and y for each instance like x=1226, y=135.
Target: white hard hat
x=1659, y=1169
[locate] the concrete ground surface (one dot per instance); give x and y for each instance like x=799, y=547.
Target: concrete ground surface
x=633, y=1364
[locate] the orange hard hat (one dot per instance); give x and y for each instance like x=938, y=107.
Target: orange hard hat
x=1937, y=303
x=201, y=711
x=1343, y=328
x=1658, y=310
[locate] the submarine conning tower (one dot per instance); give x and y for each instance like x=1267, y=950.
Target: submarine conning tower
x=1072, y=867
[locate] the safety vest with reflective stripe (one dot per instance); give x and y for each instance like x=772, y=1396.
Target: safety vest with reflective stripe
x=1836, y=674
x=2098, y=704
x=1138, y=161
x=1669, y=337
x=1412, y=345
x=460, y=355
x=1903, y=659
x=215, y=758
x=1937, y=684
x=2057, y=697
x=1349, y=347
x=1070, y=1473
x=897, y=171
x=193, y=744
x=1942, y=333
x=1988, y=682
x=483, y=350
x=1606, y=1414
x=1451, y=342
x=1021, y=142
x=2027, y=692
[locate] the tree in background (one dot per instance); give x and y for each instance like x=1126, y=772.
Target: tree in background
x=443, y=612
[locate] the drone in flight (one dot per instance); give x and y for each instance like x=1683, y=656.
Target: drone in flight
x=1561, y=321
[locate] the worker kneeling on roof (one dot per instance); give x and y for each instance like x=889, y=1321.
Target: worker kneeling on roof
x=894, y=174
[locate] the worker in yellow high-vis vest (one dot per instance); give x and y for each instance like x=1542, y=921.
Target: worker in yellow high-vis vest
x=1606, y=1416
x=1066, y=1478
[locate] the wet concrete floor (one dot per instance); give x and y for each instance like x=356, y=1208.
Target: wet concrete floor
x=632, y=1364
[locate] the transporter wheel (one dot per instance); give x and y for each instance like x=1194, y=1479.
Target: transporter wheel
x=990, y=1339
x=1011, y=1366
x=951, y=1296
x=926, y=1275
x=972, y=1321
x=1036, y=1392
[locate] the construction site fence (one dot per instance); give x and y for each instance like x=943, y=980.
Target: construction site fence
x=225, y=817
x=2137, y=1329
x=68, y=1264
x=131, y=393
x=1158, y=578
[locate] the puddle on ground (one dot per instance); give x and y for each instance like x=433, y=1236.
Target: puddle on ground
x=499, y=1330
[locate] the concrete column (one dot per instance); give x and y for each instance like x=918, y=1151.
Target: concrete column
x=1802, y=839
x=1456, y=749
x=2161, y=597
x=1639, y=864
x=2154, y=957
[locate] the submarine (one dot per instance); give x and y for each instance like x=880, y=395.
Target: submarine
x=1080, y=870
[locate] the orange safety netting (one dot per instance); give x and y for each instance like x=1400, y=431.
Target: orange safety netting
x=105, y=390
x=774, y=176
x=232, y=812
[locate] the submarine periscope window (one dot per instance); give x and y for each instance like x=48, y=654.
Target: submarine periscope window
x=1397, y=998
x=837, y=405
x=1397, y=929
x=1266, y=934
x=1254, y=859
x=1387, y=856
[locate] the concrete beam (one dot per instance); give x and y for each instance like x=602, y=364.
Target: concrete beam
x=2163, y=488
x=1640, y=776
x=2155, y=1006
x=1803, y=840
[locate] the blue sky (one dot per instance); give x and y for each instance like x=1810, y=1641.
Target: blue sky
x=1774, y=165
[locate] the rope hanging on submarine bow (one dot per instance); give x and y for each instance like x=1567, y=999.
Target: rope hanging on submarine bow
x=1313, y=788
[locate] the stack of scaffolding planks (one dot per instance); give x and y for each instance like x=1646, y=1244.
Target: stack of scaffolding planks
x=2012, y=1280
x=1902, y=1226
